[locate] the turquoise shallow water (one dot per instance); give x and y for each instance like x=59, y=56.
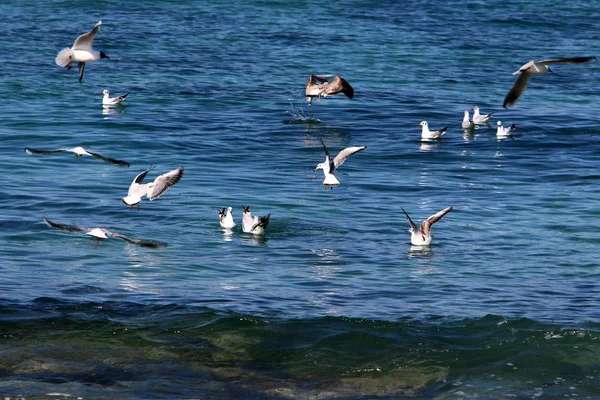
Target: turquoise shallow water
x=333, y=302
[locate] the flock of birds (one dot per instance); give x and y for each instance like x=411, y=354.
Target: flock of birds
x=317, y=86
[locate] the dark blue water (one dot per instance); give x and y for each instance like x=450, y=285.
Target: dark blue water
x=333, y=302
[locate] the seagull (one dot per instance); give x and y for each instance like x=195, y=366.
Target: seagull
x=81, y=52
x=479, y=119
x=426, y=134
x=256, y=225
x=78, y=151
x=502, y=131
x=420, y=236
x=318, y=86
x=101, y=233
x=536, y=68
x=112, y=101
x=152, y=190
x=226, y=218
x=467, y=123
x=329, y=166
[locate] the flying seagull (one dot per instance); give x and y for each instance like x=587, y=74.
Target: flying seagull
x=426, y=134
x=318, y=86
x=256, y=225
x=226, y=218
x=101, y=233
x=112, y=101
x=81, y=52
x=152, y=190
x=79, y=152
x=502, y=131
x=420, y=235
x=536, y=68
x=479, y=119
x=329, y=166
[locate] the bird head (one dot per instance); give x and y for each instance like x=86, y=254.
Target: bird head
x=319, y=166
x=105, y=92
x=422, y=123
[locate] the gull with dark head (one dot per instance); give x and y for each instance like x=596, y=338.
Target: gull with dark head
x=420, y=235
x=226, y=218
x=480, y=119
x=79, y=152
x=426, y=134
x=504, y=132
x=318, y=86
x=256, y=225
x=81, y=52
x=536, y=68
x=101, y=234
x=152, y=190
x=112, y=101
x=329, y=166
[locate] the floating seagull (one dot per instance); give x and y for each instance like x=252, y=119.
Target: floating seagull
x=426, y=134
x=78, y=151
x=226, y=218
x=256, y=225
x=101, y=233
x=536, y=68
x=317, y=86
x=479, y=119
x=502, y=131
x=329, y=166
x=420, y=236
x=467, y=123
x=112, y=101
x=152, y=190
x=81, y=52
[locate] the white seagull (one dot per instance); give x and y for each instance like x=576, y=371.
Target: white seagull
x=329, y=166
x=502, y=131
x=79, y=152
x=226, y=218
x=81, y=52
x=101, y=233
x=152, y=190
x=536, y=68
x=318, y=86
x=112, y=101
x=426, y=134
x=420, y=235
x=467, y=123
x=479, y=119
x=256, y=225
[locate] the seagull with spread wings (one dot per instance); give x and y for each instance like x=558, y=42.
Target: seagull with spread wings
x=152, y=190
x=318, y=86
x=329, y=166
x=79, y=152
x=420, y=235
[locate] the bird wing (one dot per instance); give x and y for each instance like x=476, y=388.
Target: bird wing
x=262, y=221
x=572, y=60
x=339, y=85
x=517, y=90
x=163, y=182
x=137, y=242
x=347, y=152
x=84, y=42
x=29, y=150
x=414, y=226
x=108, y=160
x=328, y=159
x=137, y=181
x=64, y=227
x=121, y=98
x=428, y=223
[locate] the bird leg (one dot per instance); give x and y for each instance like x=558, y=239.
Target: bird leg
x=97, y=243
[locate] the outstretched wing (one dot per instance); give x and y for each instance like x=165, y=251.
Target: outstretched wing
x=414, y=226
x=142, y=243
x=163, y=182
x=64, y=227
x=339, y=85
x=108, y=160
x=29, y=150
x=84, y=42
x=517, y=90
x=137, y=181
x=571, y=60
x=347, y=152
x=428, y=223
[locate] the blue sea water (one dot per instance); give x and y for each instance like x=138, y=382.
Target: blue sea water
x=333, y=302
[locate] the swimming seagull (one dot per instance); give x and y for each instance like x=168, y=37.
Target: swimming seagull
x=467, y=123
x=112, y=101
x=78, y=151
x=101, y=233
x=318, y=86
x=420, y=235
x=152, y=190
x=329, y=166
x=256, y=225
x=479, y=119
x=536, y=68
x=426, y=134
x=226, y=218
x=502, y=131
x=81, y=52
